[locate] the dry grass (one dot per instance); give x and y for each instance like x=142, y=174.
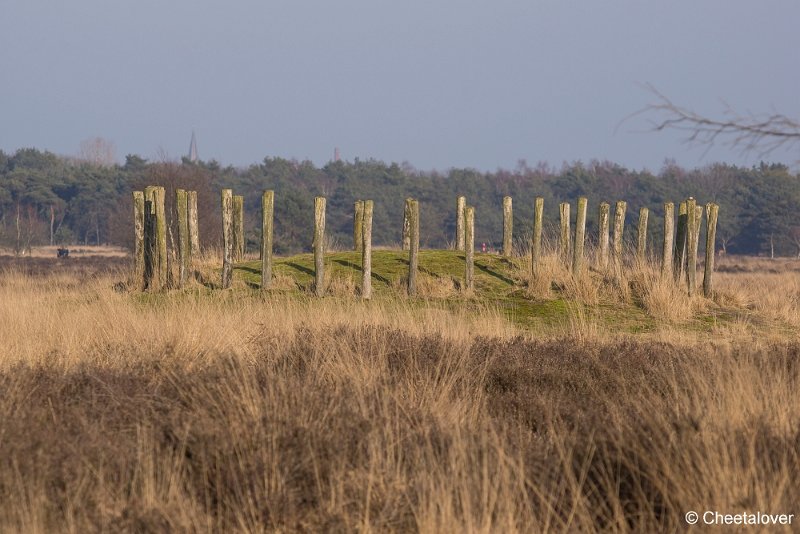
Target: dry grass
x=235, y=411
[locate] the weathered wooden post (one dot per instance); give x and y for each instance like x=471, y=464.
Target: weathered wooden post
x=536, y=245
x=138, y=238
x=712, y=213
x=699, y=218
x=603, y=227
x=227, y=238
x=580, y=237
x=666, y=256
x=194, y=236
x=691, y=246
x=181, y=209
x=319, y=246
x=407, y=209
x=366, y=251
x=619, y=230
x=469, y=245
x=461, y=205
x=508, y=226
x=641, y=244
x=679, y=261
x=413, y=255
x=564, y=237
x=358, y=222
x=267, y=211
x=150, y=249
x=238, y=228
x=155, y=195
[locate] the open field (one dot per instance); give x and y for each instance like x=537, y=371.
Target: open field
x=574, y=405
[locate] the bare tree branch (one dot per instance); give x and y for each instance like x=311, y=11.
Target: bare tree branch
x=762, y=134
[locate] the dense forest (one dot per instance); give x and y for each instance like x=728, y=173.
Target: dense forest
x=47, y=199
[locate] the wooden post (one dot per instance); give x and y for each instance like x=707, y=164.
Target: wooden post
x=619, y=230
x=536, y=245
x=580, y=237
x=712, y=213
x=699, y=218
x=319, y=246
x=138, y=238
x=602, y=222
x=358, y=222
x=366, y=251
x=641, y=245
x=508, y=226
x=666, y=256
x=680, y=241
x=691, y=245
x=695, y=237
x=161, y=236
x=150, y=279
x=413, y=255
x=469, y=244
x=407, y=209
x=194, y=236
x=238, y=228
x=227, y=238
x=564, y=237
x=267, y=211
x=181, y=209
x=461, y=204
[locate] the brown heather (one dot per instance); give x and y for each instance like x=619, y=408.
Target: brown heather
x=243, y=412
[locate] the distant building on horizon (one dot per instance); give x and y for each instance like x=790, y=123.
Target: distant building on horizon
x=193, y=149
x=336, y=155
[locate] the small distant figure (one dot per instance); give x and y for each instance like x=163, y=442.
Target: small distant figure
x=483, y=248
x=63, y=253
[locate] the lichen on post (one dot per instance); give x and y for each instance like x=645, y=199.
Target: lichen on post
x=536, y=244
x=641, y=245
x=181, y=209
x=619, y=230
x=692, y=228
x=603, y=230
x=358, y=221
x=413, y=254
x=238, y=228
x=319, y=246
x=407, y=209
x=138, y=238
x=580, y=237
x=366, y=251
x=469, y=245
x=194, y=236
x=712, y=213
x=666, y=255
x=267, y=210
x=508, y=226
x=461, y=204
x=564, y=236
x=227, y=238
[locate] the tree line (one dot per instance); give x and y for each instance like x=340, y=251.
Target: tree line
x=48, y=199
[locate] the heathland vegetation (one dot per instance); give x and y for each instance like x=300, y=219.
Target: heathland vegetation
x=46, y=199
x=585, y=404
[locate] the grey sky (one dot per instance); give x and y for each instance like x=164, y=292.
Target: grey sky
x=438, y=83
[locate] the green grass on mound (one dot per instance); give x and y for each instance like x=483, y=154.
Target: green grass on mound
x=498, y=284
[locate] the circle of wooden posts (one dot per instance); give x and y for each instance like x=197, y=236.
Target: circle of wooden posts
x=151, y=261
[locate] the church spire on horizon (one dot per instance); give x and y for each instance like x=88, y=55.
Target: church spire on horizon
x=193, y=149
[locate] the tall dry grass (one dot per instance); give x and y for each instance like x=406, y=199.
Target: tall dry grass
x=236, y=412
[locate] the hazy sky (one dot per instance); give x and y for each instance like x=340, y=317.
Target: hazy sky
x=437, y=83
